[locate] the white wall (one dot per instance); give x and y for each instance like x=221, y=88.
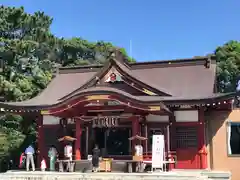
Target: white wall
x=50, y=120
x=186, y=116
x=157, y=118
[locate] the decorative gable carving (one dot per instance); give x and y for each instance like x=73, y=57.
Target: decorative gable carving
x=117, y=74
x=114, y=78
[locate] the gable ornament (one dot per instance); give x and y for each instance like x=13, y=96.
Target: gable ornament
x=114, y=78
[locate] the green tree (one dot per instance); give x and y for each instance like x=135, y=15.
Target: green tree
x=228, y=66
x=25, y=42
x=31, y=53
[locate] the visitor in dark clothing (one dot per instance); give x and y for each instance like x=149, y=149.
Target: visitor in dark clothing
x=95, y=158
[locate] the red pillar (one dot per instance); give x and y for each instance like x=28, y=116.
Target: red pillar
x=78, y=140
x=202, y=150
x=40, y=141
x=135, y=130
x=172, y=139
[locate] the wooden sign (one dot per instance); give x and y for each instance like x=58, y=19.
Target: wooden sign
x=185, y=106
x=104, y=103
x=113, y=103
x=105, y=121
x=158, y=151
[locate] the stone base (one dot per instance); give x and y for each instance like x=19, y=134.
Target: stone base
x=174, y=175
x=213, y=175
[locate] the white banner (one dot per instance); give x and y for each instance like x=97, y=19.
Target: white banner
x=157, y=151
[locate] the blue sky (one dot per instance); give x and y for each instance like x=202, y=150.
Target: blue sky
x=158, y=29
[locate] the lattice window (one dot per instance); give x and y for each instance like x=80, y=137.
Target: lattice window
x=186, y=137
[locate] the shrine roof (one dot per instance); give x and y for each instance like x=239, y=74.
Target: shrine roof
x=182, y=77
x=178, y=80
x=35, y=102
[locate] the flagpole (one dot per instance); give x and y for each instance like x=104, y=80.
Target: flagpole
x=130, y=51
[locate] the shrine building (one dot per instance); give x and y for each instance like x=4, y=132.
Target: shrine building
x=107, y=104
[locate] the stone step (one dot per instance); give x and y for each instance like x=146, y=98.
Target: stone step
x=98, y=176
x=216, y=175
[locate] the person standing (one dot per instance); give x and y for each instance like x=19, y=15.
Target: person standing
x=139, y=154
x=43, y=165
x=52, y=154
x=95, y=158
x=68, y=155
x=68, y=151
x=22, y=161
x=30, y=153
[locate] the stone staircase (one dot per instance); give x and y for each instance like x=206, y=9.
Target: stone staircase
x=212, y=175
x=174, y=175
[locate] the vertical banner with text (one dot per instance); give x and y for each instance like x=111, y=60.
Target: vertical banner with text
x=158, y=151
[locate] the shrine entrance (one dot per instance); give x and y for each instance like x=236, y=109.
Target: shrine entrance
x=100, y=137
x=111, y=134
x=117, y=141
x=112, y=141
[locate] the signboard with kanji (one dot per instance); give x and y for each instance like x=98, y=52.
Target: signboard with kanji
x=158, y=151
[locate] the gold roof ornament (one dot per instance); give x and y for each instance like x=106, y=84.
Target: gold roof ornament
x=154, y=108
x=97, y=97
x=149, y=92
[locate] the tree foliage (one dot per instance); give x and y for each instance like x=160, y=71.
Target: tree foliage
x=228, y=66
x=31, y=53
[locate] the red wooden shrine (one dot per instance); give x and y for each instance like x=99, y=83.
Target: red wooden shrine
x=120, y=99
